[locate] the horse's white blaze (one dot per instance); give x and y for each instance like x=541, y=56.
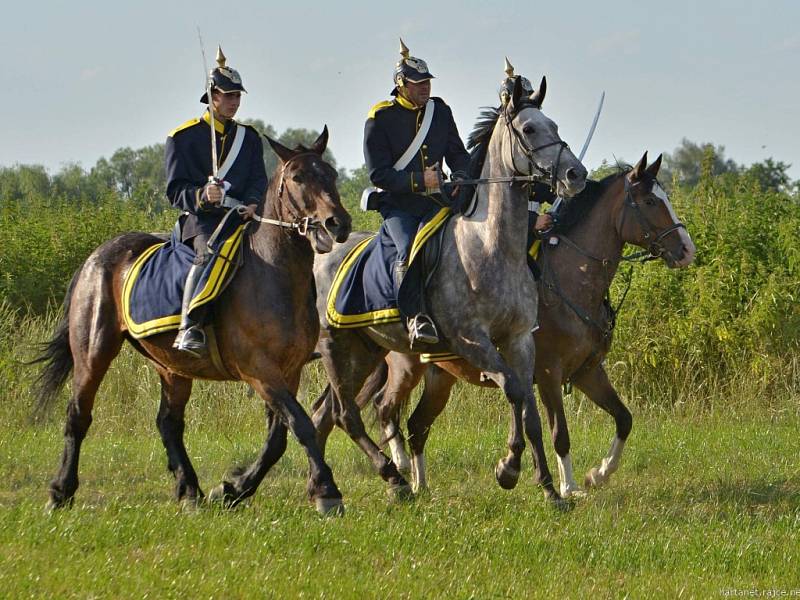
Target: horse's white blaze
x=688, y=244
x=399, y=456
x=565, y=473
x=418, y=479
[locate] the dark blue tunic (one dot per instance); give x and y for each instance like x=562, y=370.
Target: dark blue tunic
x=188, y=166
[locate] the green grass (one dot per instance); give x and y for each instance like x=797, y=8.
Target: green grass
x=704, y=501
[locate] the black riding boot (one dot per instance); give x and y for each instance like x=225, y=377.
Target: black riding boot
x=421, y=329
x=191, y=338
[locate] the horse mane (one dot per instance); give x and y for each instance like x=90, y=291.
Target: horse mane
x=478, y=140
x=579, y=206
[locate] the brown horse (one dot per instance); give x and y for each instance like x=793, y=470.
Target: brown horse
x=266, y=326
x=575, y=318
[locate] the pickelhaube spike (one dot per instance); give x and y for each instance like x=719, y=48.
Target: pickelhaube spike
x=220, y=58
x=509, y=68
x=223, y=78
x=404, y=52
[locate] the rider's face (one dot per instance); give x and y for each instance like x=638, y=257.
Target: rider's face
x=418, y=93
x=225, y=105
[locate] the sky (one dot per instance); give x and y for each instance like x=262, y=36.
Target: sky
x=84, y=78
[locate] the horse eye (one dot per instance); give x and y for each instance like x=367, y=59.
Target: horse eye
x=649, y=200
x=297, y=179
x=527, y=130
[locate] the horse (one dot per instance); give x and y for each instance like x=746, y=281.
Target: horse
x=266, y=329
x=576, y=322
x=479, y=294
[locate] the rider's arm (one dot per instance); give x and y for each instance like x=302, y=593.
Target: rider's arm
x=182, y=191
x=380, y=165
x=456, y=154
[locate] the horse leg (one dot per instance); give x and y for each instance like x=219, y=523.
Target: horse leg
x=435, y=395
x=322, y=416
x=550, y=391
x=598, y=388
x=404, y=372
x=94, y=343
x=175, y=392
x=349, y=362
x=284, y=410
x=245, y=482
x=519, y=356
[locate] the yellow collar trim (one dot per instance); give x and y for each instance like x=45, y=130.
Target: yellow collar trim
x=218, y=125
x=405, y=103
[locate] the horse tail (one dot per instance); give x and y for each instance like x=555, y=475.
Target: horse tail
x=57, y=358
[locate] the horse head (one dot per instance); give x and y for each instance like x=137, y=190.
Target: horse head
x=536, y=147
x=648, y=220
x=307, y=192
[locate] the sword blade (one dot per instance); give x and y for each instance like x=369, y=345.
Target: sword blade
x=592, y=128
x=207, y=74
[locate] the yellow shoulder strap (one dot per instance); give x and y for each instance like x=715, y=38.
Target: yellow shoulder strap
x=379, y=107
x=186, y=125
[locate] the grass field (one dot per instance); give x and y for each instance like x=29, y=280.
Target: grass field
x=705, y=504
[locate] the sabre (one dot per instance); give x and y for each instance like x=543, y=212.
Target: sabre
x=207, y=74
x=589, y=136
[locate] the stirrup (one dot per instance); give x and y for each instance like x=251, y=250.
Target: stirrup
x=192, y=341
x=421, y=329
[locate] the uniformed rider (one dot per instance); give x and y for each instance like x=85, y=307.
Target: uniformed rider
x=241, y=184
x=411, y=194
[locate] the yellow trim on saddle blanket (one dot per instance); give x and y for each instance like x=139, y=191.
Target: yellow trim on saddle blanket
x=212, y=288
x=386, y=315
x=438, y=357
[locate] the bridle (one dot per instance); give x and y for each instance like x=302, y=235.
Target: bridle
x=545, y=174
x=301, y=225
x=520, y=176
x=655, y=248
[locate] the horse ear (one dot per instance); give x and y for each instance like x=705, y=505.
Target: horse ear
x=516, y=94
x=652, y=170
x=282, y=151
x=638, y=170
x=321, y=142
x=537, y=97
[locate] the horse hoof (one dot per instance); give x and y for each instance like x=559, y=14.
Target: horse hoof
x=573, y=493
x=507, y=477
x=220, y=496
x=594, y=478
x=329, y=507
x=400, y=493
x=190, y=504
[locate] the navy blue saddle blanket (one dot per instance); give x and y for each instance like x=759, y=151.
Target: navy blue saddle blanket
x=153, y=289
x=362, y=292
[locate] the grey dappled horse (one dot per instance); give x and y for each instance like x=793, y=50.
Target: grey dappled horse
x=575, y=317
x=480, y=294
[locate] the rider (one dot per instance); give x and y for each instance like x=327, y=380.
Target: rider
x=411, y=193
x=540, y=193
x=242, y=183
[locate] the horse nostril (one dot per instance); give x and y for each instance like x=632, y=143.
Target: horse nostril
x=572, y=174
x=332, y=223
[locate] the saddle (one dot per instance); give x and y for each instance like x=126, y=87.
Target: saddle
x=362, y=292
x=153, y=287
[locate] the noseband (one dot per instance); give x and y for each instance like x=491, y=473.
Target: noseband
x=655, y=248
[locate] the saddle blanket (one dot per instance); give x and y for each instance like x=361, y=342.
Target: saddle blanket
x=152, y=292
x=362, y=292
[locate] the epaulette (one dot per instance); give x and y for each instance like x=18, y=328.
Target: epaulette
x=379, y=107
x=186, y=125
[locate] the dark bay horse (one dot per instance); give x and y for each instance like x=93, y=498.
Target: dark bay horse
x=479, y=295
x=266, y=326
x=575, y=321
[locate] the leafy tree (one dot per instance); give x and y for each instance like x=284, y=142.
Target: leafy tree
x=771, y=175
x=684, y=164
